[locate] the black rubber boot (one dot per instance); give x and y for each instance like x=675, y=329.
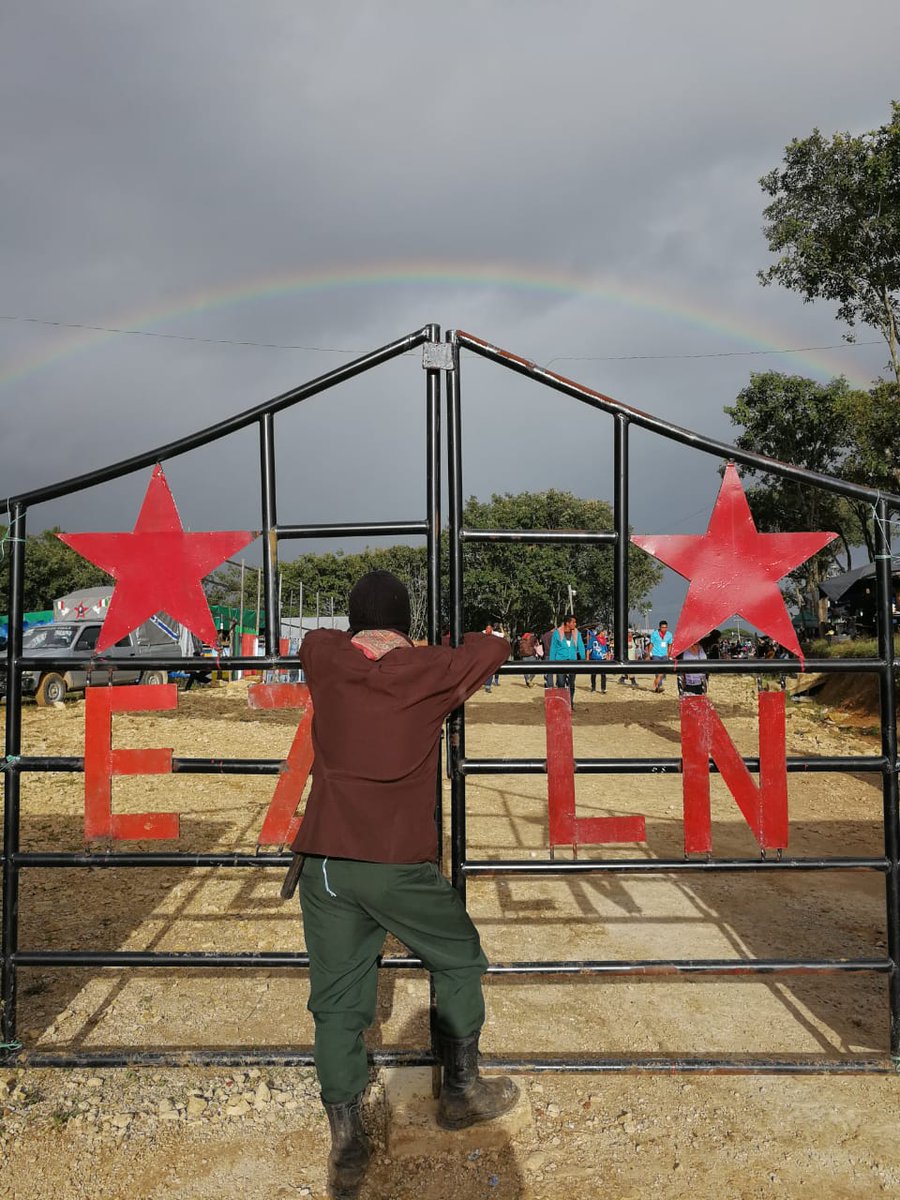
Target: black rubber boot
x=350, y=1150
x=467, y=1098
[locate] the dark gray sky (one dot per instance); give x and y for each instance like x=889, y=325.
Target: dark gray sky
x=576, y=182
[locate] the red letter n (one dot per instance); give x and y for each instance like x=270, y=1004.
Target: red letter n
x=101, y=762
x=765, y=808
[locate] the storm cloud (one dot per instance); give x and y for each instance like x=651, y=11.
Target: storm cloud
x=576, y=182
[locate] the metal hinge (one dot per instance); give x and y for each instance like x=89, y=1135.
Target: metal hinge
x=439, y=356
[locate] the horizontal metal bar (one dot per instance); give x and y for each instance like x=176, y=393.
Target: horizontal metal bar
x=676, y=433
x=45, y=764
x=180, y=766
x=733, y=666
x=292, y=1056
x=230, y=425
x=492, y=867
x=710, y=966
x=663, y=766
x=56, y=858
x=286, y=1056
x=711, y=666
x=360, y=529
x=273, y=1056
x=285, y=958
x=699, y=1066
x=268, y=959
x=227, y=766
x=553, y=536
x=157, y=662
x=523, y=868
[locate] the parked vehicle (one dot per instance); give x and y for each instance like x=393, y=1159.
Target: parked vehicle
x=76, y=639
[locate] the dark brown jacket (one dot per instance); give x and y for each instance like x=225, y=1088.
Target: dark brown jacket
x=376, y=732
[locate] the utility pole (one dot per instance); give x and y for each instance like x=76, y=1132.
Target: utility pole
x=241, y=619
x=258, y=596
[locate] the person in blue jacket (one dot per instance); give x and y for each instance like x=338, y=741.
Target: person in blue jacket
x=598, y=650
x=567, y=645
x=660, y=650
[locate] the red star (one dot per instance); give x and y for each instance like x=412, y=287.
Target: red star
x=158, y=567
x=734, y=570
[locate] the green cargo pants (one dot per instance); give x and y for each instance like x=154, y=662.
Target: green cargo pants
x=348, y=907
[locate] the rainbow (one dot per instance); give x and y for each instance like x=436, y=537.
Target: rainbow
x=754, y=335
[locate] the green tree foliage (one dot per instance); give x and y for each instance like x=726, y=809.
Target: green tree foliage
x=832, y=428
x=52, y=569
x=526, y=586
x=332, y=576
x=224, y=587
x=520, y=586
x=834, y=222
x=872, y=419
x=829, y=428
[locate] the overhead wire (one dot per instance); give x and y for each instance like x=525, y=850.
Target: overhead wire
x=184, y=337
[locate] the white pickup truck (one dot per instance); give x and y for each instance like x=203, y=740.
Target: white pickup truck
x=78, y=639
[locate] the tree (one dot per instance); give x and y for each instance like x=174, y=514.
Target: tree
x=872, y=419
x=52, y=569
x=332, y=576
x=526, y=586
x=803, y=422
x=834, y=221
x=519, y=585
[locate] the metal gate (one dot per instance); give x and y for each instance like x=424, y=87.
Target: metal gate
x=441, y=360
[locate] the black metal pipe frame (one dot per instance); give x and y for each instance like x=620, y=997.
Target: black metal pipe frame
x=556, y=537
x=433, y=616
x=277, y=1056
x=675, y=433
x=535, y=868
x=354, y=529
x=623, y=416
x=280, y=960
x=521, y=868
x=620, y=517
x=478, y=766
x=230, y=425
x=889, y=750
x=457, y=721
x=886, y=764
x=269, y=536
x=837, y=666
x=712, y=666
x=664, y=766
x=11, y=782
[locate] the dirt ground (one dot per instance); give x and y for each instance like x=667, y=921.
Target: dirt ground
x=204, y=1133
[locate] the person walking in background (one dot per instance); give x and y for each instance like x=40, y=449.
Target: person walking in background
x=693, y=683
x=527, y=652
x=546, y=640
x=567, y=645
x=495, y=678
x=660, y=650
x=711, y=645
x=631, y=656
x=598, y=650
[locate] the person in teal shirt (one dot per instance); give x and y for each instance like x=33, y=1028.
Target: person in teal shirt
x=567, y=645
x=660, y=650
x=598, y=650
